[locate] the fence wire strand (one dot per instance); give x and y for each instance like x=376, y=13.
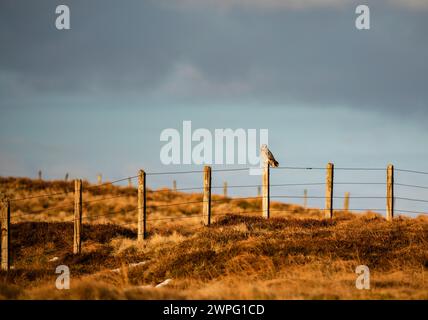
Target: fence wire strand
x=411, y=171
x=41, y=196
x=109, y=183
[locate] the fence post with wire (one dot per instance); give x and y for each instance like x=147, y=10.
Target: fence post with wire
x=346, y=202
x=77, y=239
x=141, y=208
x=390, y=193
x=329, y=191
x=5, y=232
x=207, y=196
x=266, y=192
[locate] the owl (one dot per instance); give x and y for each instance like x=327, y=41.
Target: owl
x=268, y=156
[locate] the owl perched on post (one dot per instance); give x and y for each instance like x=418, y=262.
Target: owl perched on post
x=268, y=157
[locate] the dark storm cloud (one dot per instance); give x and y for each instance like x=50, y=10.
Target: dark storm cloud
x=110, y=45
x=193, y=53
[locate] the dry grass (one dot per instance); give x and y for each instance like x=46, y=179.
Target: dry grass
x=294, y=255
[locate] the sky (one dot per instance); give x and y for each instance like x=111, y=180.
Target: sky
x=95, y=98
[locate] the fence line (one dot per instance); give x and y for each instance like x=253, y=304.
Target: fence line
x=43, y=210
x=337, y=168
x=411, y=186
x=410, y=199
x=206, y=202
x=111, y=182
x=40, y=196
x=412, y=171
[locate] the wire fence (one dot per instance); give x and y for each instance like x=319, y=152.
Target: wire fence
x=157, y=209
x=242, y=186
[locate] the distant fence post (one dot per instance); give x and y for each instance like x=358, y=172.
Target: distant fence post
x=346, y=202
x=225, y=189
x=259, y=191
x=142, y=214
x=66, y=177
x=329, y=191
x=207, y=196
x=77, y=242
x=129, y=182
x=5, y=232
x=305, y=198
x=174, y=185
x=40, y=174
x=390, y=192
x=100, y=178
x=265, y=192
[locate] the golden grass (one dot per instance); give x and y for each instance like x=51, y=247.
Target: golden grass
x=294, y=255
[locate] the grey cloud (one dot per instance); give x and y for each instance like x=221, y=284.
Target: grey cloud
x=290, y=4
x=313, y=56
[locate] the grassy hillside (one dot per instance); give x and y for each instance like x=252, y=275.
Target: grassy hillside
x=294, y=255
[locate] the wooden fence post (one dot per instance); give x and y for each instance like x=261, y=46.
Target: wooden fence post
x=40, y=174
x=100, y=178
x=174, y=185
x=207, y=196
x=5, y=233
x=77, y=243
x=390, y=192
x=142, y=214
x=129, y=182
x=66, y=177
x=329, y=191
x=266, y=192
x=259, y=191
x=346, y=202
x=225, y=189
x=305, y=198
